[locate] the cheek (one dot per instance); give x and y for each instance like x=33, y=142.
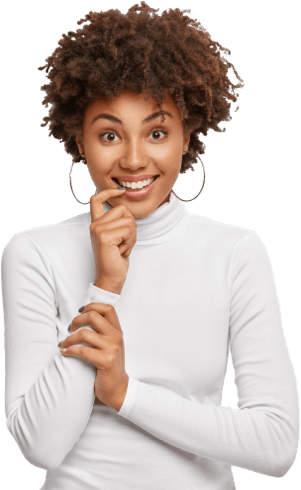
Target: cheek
x=99, y=158
x=98, y=168
x=170, y=153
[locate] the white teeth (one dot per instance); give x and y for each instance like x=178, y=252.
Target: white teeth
x=137, y=185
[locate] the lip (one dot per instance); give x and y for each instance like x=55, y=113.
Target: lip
x=140, y=193
x=133, y=178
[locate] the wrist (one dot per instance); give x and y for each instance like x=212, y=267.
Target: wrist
x=117, y=404
x=108, y=287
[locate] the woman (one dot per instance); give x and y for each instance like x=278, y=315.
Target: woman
x=144, y=299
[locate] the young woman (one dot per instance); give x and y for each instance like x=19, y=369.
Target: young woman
x=144, y=299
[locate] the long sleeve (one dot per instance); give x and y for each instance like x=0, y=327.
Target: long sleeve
x=48, y=397
x=196, y=291
x=262, y=435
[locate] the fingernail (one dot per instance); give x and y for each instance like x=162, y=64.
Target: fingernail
x=121, y=188
x=60, y=343
x=69, y=327
x=81, y=309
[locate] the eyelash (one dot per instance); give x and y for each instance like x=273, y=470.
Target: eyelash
x=153, y=131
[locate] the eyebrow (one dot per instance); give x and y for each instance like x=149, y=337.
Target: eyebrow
x=146, y=120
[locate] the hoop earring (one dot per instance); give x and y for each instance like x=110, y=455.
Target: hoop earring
x=203, y=183
x=184, y=200
x=71, y=186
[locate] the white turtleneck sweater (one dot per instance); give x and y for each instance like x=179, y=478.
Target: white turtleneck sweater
x=195, y=289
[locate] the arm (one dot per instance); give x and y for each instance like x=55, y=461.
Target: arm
x=262, y=435
x=49, y=398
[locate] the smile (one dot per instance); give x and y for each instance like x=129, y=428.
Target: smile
x=136, y=185
x=145, y=187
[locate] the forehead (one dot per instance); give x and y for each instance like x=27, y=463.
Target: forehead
x=129, y=101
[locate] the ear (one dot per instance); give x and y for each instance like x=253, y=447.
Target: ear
x=80, y=145
x=186, y=142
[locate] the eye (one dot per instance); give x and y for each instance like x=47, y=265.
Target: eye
x=159, y=131
x=111, y=133
x=103, y=134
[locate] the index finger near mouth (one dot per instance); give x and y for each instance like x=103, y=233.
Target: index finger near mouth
x=96, y=207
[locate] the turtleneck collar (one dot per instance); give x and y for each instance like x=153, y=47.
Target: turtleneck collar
x=160, y=226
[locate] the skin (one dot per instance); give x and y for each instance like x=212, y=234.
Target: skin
x=128, y=148
x=133, y=147
x=106, y=351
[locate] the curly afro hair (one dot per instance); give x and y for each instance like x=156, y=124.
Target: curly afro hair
x=170, y=54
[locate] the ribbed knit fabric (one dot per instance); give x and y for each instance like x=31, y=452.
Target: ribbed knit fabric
x=196, y=291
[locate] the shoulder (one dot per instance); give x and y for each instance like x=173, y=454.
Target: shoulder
x=237, y=246
x=50, y=237
x=218, y=233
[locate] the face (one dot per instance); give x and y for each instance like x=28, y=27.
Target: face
x=123, y=137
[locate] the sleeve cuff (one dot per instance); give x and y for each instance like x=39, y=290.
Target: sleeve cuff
x=97, y=295
x=130, y=397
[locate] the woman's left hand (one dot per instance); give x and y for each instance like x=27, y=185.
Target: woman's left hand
x=106, y=351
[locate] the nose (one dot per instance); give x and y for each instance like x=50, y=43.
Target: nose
x=134, y=157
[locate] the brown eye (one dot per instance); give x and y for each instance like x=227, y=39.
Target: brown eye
x=111, y=136
x=110, y=140
x=157, y=131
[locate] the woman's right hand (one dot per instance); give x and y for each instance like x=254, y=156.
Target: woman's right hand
x=113, y=236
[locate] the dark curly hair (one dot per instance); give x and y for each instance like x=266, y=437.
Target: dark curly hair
x=170, y=54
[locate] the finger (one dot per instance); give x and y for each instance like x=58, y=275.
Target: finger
x=113, y=220
x=91, y=321
x=85, y=336
x=96, y=207
x=108, y=312
x=114, y=223
x=116, y=237
x=118, y=212
x=95, y=356
x=123, y=230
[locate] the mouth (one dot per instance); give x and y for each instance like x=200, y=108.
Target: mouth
x=138, y=193
x=136, y=188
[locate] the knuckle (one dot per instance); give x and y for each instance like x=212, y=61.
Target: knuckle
x=93, y=315
x=83, y=334
x=104, y=237
x=110, y=360
x=95, y=229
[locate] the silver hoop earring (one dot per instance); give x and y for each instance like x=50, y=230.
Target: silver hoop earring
x=201, y=189
x=71, y=186
x=184, y=200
